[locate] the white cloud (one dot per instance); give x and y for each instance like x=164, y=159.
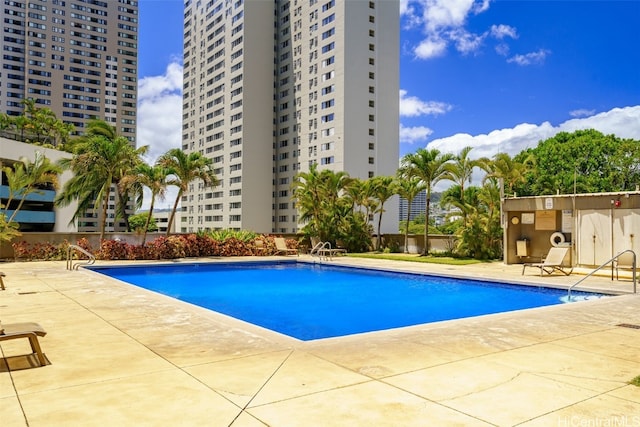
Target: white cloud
x=530, y=58
x=411, y=135
x=430, y=48
x=501, y=31
x=443, y=22
x=405, y=9
x=622, y=122
x=465, y=41
x=160, y=120
x=160, y=111
x=581, y=113
x=412, y=106
x=438, y=14
x=170, y=82
x=502, y=49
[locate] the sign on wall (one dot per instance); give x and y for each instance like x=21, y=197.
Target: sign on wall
x=567, y=221
x=546, y=220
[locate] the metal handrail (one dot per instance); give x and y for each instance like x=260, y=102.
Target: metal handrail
x=317, y=247
x=70, y=265
x=633, y=271
x=320, y=250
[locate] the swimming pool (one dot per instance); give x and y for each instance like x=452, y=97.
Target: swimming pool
x=312, y=301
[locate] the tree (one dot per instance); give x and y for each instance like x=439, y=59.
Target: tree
x=458, y=204
x=508, y=171
x=430, y=167
x=101, y=158
x=586, y=160
x=27, y=177
x=408, y=188
x=8, y=230
x=461, y=169
x=481, y=236
x=155, y=179
x=382, y=189
x=143, y=221
x=184, y=169
x=318, y=198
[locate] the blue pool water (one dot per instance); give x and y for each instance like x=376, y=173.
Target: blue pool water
x=308, y=301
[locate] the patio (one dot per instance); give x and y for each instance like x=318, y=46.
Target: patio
x=121, y=355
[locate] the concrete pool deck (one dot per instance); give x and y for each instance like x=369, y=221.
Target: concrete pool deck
x=121, y=355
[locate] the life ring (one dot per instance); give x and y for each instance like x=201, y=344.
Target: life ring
x=557, y=239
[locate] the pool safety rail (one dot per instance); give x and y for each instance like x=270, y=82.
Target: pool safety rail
x=324, y=250
x=321, y=250
x=71, y=265
x=612, y=261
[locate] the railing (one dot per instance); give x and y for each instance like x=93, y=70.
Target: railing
x=322, y=249
x=633, y=271
x=71, y=265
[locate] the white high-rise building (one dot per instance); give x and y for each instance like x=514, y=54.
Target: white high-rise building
x=78, y=58
x=271, y=87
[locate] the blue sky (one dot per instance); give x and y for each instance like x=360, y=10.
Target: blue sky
x=496, y=75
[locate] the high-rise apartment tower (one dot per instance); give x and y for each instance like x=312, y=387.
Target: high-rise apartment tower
x=78, y=58
x=271, y=87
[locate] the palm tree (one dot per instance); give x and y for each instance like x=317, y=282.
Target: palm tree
x=60, y=133
x=152, y=177
x=508, y=171
x=21, y=123
x=26, y=177
x=430, y=167
x=408, y=188
x=355, y=192
x=307, y=195
x=5, y=121
x=382, y=189
x=460, y=171
x=101, y=159
x=318, y=198
x=186, y=168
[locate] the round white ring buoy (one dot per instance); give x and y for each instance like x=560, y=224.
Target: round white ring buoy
x=557, y=239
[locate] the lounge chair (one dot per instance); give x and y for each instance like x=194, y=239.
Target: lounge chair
x=259, y=248
x=624, y=261
x=281, y=246
x=29, y=330
x=552, y=262
x=2, y=281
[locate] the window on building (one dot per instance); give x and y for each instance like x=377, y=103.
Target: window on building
x=330, y=19
x=327, y=160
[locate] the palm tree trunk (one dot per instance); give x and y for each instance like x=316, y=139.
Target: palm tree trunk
x=379, y=239
x=406, y=228
x=105, y=205
x=173, y=212
x=15, y=211
x=122, y=205
x=427, y=208
x=146, y=225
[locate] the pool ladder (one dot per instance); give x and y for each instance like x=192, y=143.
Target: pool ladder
x=633, y=271
x=322, y=249
x=71, y=265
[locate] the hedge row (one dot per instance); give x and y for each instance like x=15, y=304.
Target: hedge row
x=171, y=247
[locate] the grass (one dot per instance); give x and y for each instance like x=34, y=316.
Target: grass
x=418, y=258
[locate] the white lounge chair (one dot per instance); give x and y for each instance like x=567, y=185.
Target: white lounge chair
x=552, y=262
x=281, y=246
